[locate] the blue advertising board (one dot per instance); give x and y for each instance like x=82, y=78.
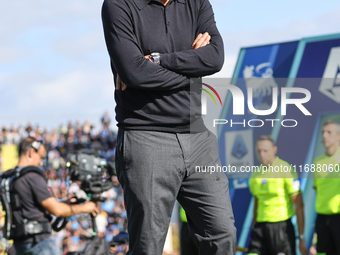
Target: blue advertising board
x=260, y=68
x=236, y=144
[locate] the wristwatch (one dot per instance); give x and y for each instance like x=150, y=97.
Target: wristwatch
x=156, y=57
x=301, y=237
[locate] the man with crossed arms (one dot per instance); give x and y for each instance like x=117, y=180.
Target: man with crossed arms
x=155, y=48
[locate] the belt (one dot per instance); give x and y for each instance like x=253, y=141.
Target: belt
x=32, y=228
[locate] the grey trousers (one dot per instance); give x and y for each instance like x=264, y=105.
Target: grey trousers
x=156, y=168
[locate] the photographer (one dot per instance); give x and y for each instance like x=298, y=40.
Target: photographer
x=37, y=204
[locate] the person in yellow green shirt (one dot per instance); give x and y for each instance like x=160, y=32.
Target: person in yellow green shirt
x=327, y=185
x=276, y=188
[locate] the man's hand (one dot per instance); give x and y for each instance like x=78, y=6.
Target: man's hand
x=90, y=207
x=302, y=247
x=120, y=84
x=298, y=201
x=201, y=41
x=148, y=57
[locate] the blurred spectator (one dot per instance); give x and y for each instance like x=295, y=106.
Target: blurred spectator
x=4, y=138
x=94, y=132
x=1, y=160
x=101, y=222
x=21, y=131
x=54, y=157
x=15, y=137
x=106, y=119
x=87, y=127
x=29, y=130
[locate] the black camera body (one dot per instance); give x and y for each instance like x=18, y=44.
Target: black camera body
x=93, y=171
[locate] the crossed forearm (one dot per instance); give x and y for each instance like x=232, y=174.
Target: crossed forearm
x=200, y=41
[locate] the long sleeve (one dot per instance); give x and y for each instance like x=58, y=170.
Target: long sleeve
x=206, y=60
x=126, y=55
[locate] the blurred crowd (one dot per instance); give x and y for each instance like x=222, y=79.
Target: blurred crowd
x=59, y=142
